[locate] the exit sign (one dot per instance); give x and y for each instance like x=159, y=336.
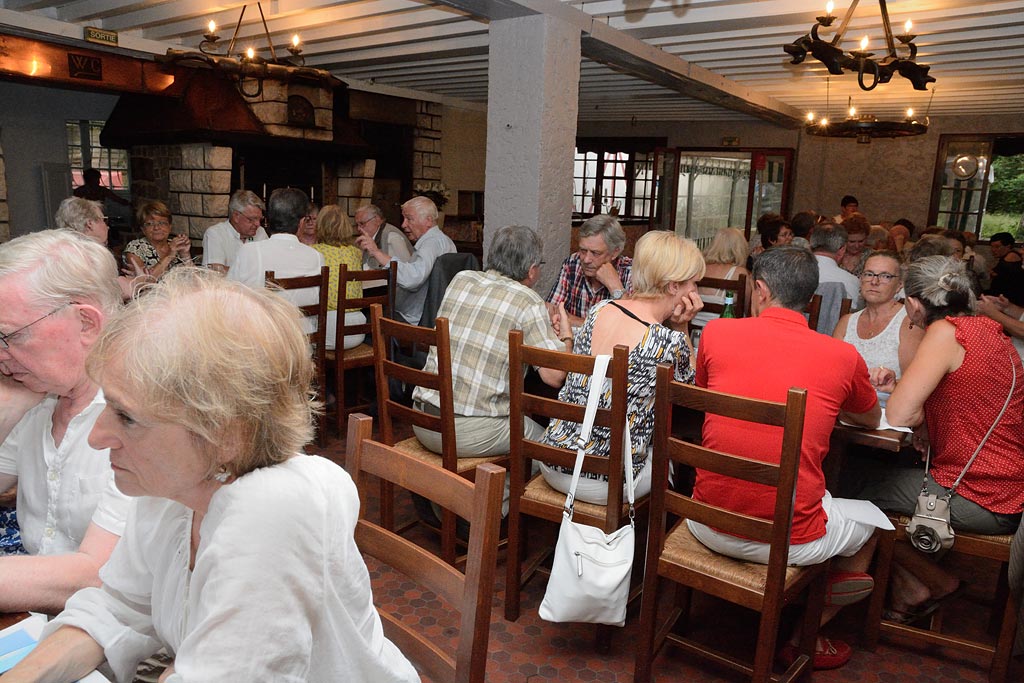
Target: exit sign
x=100, y=36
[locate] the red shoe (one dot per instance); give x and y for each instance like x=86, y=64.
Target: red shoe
x=846, y=588
x=828, y=654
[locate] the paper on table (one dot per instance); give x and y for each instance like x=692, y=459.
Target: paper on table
x=882, y=424
x=18, y=640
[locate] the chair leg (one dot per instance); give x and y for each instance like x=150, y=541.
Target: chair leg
x=387, y=505
x=767, y=634
x=603, y=638
x=448, y=536
x=646, y=648
x=883, y=573
x=513, y=561
x=339, y=399
x=812, y=620
x=1007, y=632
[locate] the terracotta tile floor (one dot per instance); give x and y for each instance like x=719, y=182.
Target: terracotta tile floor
x=532, y=650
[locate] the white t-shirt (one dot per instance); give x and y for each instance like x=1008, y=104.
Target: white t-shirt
x=61, y=489
x=279, y=591
x=221, y=243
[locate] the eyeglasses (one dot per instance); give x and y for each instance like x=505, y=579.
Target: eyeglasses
x=881, y=277
x=360, y=224
x=156, y=224
x=5, y=338
x=250, y=219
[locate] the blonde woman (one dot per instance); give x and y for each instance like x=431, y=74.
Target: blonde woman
x=652, y=323
x=726, y=259
x=238, y=556
x=335, y=240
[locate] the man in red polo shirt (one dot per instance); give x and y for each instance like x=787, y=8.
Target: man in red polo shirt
x=762, y=357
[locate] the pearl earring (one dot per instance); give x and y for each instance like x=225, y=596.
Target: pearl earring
x=222, y=474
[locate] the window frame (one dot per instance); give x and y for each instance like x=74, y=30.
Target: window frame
x=601, y=147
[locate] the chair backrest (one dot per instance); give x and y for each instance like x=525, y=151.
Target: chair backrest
x=389, y=334
x=739, y=286
x=524, y=402
x=813, y=311
x=446, y=267
x=830, y=295
x=385, y=299
x=782, y=475
x=318, y=336
x=472, y=592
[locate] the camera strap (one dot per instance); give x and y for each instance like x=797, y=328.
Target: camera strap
x=927, y=460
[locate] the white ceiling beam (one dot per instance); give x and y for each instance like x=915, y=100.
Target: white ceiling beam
x=356, y=84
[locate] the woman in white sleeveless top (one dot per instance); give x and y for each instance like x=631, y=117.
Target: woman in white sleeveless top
x=881, y=332
x=725, y=258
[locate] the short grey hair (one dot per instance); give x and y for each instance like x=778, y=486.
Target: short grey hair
x=515, y=249
x=243, y=199
x=62, y=266
x=790, y=273
x=608, y=227
x=829, y=238
x=286, y=208
x=943, y=285
x=424, y=207
x=373, y=210
x=74, y=213
x=929, y=245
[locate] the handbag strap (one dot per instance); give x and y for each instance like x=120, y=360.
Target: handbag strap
x=1006, y=404
x=593, y=399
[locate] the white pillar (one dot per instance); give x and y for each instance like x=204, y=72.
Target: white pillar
x=532, y=104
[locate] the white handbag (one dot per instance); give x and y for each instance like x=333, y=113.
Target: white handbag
x=590, y=571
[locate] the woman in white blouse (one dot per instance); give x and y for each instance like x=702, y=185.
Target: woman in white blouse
x=238, y=556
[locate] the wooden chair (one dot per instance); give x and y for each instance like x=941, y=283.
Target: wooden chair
x=1004, y=605
x=340, y=360
x=813, y=310
x=533, y=497
x=739, y=286
x=388, y=334
x=318, y=337
x=471, y=592
x=673, y=554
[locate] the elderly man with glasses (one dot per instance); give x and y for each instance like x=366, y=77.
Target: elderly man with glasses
x=57, y=289
x=386, y=237
x=222, y=241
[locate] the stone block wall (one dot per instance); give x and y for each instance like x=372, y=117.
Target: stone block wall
x=355, y=183
x=426, y=143
x=5, y=216
x=194, y=180
x=271, y=108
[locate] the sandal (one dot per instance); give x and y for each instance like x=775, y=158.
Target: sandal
x=828, y=654
x=925, y=609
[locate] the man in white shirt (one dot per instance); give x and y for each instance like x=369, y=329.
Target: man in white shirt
x=828, y=242
x=222, y=241
x=419, y=222
x=57, y=290
x=282, y=253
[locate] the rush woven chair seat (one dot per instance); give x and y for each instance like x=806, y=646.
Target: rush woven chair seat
x=316, y=313
x=678, y=560
x=1003, y=621
x=470, y=592
x=390, y=334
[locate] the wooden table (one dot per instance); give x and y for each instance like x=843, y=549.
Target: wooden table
x=843, y=436
x=883, y=439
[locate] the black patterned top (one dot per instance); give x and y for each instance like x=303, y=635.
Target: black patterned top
x=659, y=344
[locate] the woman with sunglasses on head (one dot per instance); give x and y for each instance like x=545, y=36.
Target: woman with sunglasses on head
x=881, y=332
x=157, y=251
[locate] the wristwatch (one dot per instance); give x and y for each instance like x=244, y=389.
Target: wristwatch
x=617, y=294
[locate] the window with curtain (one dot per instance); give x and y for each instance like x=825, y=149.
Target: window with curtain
x=85, y=151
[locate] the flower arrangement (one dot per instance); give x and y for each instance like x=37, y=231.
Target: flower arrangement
x=436, y=191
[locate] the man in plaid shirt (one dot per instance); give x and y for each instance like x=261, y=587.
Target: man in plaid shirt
x=595, y=273
x=481, y=308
